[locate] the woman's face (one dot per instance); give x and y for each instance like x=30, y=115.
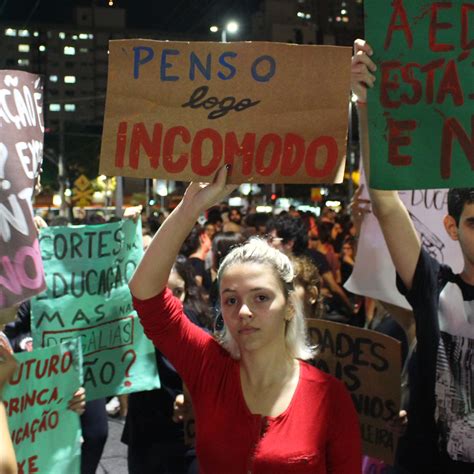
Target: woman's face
x=347, y=250
x=176, y=285
x=335, y=231
x=206, y=243
x=253, y=306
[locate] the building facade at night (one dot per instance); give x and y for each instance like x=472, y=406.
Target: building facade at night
x=336, y=22
x=72, y=59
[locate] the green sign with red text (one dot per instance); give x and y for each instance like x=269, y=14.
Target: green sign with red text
x=421, y=120
x=46, y=435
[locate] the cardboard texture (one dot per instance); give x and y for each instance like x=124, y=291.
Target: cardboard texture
x=369, y=363
x=21, y=153
x=7, y=315
x=421, y=118
x=179, y=111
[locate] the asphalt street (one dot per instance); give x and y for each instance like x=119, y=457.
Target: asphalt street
x=114, y=458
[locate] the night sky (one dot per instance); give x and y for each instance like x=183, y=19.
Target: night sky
x=179, y=16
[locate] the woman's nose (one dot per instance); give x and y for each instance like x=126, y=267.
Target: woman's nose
x=245, y=312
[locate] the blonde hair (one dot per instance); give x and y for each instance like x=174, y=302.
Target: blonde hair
x=257, y=250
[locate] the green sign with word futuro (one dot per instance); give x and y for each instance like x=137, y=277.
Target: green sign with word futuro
x=421, y=119
x=87, y=270
x=46, y=435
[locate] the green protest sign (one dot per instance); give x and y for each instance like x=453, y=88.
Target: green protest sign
x=87, y=269
x=46, y=435
x=421, y=120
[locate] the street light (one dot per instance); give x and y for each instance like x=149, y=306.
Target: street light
x=231, y=27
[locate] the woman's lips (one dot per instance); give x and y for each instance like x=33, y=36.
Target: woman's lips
x=247, y=330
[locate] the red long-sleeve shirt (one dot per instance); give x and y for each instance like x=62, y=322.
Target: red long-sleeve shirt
x=317, y=433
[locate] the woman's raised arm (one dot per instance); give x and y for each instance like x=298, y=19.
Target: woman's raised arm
x=152, y=273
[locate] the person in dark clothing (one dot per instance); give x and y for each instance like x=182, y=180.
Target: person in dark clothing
x=196, y=247
x=290, y=235
x=347, y=259
x=155, y=442
x=441, y=410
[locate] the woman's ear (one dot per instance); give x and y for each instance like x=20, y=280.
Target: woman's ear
x=313, y=294
x=451, y=227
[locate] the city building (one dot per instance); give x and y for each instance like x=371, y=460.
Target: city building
x=336, y=22
x=73, y=60
x=285, y=21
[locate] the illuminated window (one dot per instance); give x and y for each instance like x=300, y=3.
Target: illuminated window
x=53, y=78
x=23, y=62
x=62, y=35
x=74, y=37
x=91, y=36
x=54, y=107
x=83, y=36
x=83, y=50
x=70, y=79
x=69, y=50
x=10, y=32
x=23, y=33
x=24, y=48
x=42, y=48
x=70, y=107
x=300, y=15
x=36, y=34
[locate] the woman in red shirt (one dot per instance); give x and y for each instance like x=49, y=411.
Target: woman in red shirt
x=259, y=408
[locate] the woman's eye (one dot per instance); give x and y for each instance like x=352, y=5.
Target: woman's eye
x=230, y=301
x=262, y=298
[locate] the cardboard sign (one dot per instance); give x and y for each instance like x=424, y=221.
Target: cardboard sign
x=421, y=110
x=180, y=111
x=374, y=273
x=21, y=153
x=369, y=363
x=7, y=315
x=45, y=434
x=87, y=270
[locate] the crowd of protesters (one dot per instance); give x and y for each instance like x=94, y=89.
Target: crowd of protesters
x=315, y=245
x=205, y=293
